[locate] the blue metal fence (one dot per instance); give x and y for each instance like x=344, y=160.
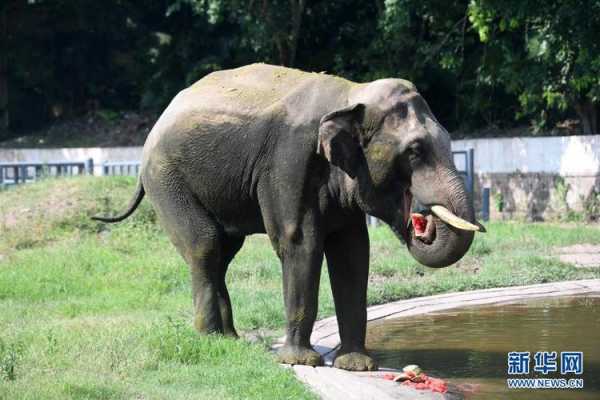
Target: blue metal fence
x=14, y=173
x=127, y=168
x=466, y=160
x=22, y=172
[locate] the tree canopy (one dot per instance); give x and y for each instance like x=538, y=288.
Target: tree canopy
x=479, y=63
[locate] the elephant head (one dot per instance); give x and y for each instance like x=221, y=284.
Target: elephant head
x=395, y=151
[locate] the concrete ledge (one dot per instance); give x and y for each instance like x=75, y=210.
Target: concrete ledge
x=331, y=383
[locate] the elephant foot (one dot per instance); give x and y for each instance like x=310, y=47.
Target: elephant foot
x=355, y=361
x=296, y=355
x=231, y=334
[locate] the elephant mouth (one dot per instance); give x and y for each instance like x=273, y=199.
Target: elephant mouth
x=418, y=225
x=421, y=225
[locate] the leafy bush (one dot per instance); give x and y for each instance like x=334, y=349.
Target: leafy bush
x=10, y=354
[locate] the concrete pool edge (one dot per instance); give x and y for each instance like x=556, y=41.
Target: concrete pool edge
x=332, y=383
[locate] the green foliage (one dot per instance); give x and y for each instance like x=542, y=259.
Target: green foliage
x=10, y=354
x=562, y=190
x=480, y=63
x=108, y=115
x=68, y=57
x=547, y=55
x=499, y=201
x=591, y=206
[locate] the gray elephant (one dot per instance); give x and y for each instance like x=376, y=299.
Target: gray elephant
x=301, y=157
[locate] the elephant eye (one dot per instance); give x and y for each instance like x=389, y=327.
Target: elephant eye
x=414, y=151
x=401, y=110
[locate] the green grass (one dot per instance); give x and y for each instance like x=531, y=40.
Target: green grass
x=89, y=311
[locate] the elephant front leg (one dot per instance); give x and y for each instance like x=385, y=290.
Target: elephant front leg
x=347, y=255
x=301, y=261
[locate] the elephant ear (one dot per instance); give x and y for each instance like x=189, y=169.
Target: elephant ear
x=339, y=133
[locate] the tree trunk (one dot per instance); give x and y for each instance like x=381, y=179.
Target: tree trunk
x=297, y=8
x=286, y=32
x=4, y=120
x=588, y=114
x=282, y=49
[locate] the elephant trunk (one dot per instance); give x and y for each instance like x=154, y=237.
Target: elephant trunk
x=450, y=242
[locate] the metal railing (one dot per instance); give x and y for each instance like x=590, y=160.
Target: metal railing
x=14, y=173
x=468, y=171
x=123, y=168
x=22, y=172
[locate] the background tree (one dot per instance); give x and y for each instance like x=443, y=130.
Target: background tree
x=4, y=47
x=479, y=63
x=546, y=52
x=276, y=21
x=66, y=57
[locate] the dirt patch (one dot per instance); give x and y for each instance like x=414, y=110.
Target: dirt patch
x=33, y=215
x=55, y=204
x=581, y=255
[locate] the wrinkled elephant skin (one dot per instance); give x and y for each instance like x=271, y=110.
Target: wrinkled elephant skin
x=301, y=157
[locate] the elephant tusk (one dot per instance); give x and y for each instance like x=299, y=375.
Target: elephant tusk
x=448, y=217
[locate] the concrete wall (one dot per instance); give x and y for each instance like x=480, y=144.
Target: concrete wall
x=565, y=155
x=535, y=177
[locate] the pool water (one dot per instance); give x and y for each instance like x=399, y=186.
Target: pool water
x=469, y=346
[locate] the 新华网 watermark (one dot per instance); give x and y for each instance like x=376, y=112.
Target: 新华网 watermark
x=545, y=362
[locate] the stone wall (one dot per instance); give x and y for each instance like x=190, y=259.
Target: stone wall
x=537, y=196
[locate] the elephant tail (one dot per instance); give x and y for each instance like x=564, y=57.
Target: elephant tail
x=133, y=204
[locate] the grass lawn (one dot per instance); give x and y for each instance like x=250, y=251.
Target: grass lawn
x=89, y=311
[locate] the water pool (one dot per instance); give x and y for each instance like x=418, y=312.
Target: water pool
x=469, y=346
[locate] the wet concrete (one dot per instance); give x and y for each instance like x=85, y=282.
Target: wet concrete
x=332, y=384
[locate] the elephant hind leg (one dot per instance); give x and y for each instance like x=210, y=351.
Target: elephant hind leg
x=206, y=249
x=230, y=247
x=209, y=287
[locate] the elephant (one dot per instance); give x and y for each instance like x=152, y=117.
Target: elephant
x=301, y=157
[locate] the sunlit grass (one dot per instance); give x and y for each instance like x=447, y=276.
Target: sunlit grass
x=89, y=311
